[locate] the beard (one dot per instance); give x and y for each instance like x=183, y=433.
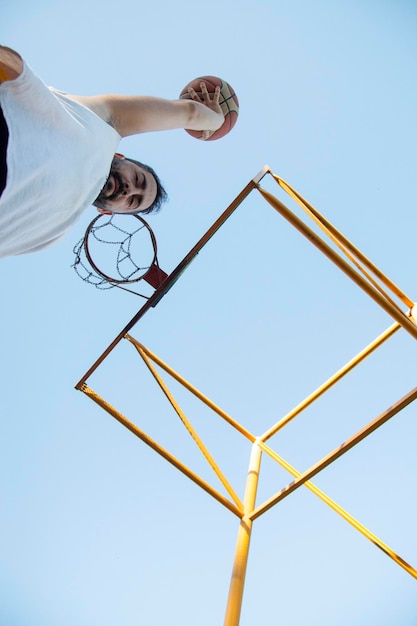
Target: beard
x=104, y=198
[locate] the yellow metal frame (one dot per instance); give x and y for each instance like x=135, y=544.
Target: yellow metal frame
x=371, y=280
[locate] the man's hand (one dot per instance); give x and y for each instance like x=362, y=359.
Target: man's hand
x=209, y=100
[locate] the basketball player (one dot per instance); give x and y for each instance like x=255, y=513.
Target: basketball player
x=58, y=153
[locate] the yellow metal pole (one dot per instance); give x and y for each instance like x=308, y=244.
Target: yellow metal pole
x=159, y=449
x=234, y=604
x=197, y=439
x=141, y=348
x=331, y=381
x=385, y=304
x=344, y=447
x=336, y=507
x=336, y=235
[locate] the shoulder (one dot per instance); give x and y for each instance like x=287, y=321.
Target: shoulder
x=11, y=64
x=96, y=104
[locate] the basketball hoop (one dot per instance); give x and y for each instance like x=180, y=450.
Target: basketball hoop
x=127, y=239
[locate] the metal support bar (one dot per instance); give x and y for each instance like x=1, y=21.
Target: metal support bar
x=197, y=439
x=340, y=450
x=243, y=431
x=392, y=310
x=159, y=449
x=338, y=237
x=337, y=508
x=331, y=381
x=234, y=604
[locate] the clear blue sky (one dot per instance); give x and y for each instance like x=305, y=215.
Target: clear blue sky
x=98, y=530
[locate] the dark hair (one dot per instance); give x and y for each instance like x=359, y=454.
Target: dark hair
x=161, y=194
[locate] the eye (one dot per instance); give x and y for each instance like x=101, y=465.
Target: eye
x=134, y=202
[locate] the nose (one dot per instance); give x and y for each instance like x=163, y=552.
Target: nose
x=129, y=188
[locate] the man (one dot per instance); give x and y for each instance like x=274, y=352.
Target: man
x=57, y=153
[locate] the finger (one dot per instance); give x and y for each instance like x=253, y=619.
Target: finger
x=216, y=96
x=204, y=92
x=194, y=94
x=210, y=97
x=206, y=134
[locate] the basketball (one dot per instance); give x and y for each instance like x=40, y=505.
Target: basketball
x=228, y=102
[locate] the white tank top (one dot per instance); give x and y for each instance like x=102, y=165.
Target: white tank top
x=58, y=159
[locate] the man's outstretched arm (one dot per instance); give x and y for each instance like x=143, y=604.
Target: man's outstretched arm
x=11, y=64
x=131, y=115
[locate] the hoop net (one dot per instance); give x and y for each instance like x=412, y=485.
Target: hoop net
x=116, y=250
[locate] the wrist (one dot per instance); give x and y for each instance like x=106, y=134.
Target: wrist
x=205, y=118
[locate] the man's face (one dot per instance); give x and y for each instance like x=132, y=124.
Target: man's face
x=129, y=188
